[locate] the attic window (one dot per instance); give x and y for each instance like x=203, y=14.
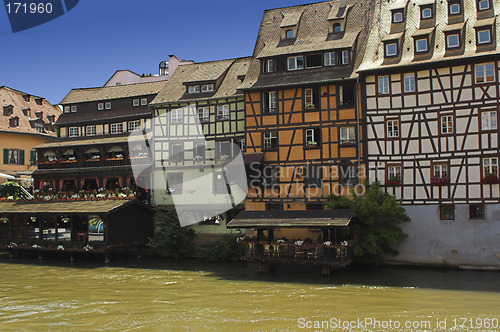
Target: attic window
x=207, y=88
x=268, y=66
x=100, y=106
x=14, y=122
x=27, y=112
x=295, y=62
x=313, y=60
x=39, y=114
x=483, y=5
x=66, y=109
x=135, y=102
x=8, y=110
x=108, y=105
x=144, y=101
x=193, y=89
x=454, y=8
x=26, y=98
x=422, y=45
x=483, y=36
x=397, y=15
x=289, y=34
x=426, y=12
x=453, y=40
x=337, y=27
x=391, y=49
x=38, y=101
x=73, y=109
x=51, y=118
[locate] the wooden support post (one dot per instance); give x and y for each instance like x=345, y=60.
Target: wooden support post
x=326, y=270
x=40, y=256
x=71, y=256
x=107, y=259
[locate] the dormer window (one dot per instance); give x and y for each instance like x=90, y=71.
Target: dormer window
x=100, y=106
x=8, y=110
x=296, y=62
x=66, y=109
x=337, y=27
x=313, y=61
x=39, y=114
x=26, y=98
x=391, y=49
x=397, y=15
x=483, y=36
x=108, y=105
x=38, y=101
x=454, y=8
x=425, y=13
x=289, y=34
x=27, y=112
x=422, y=45
x=14, y=122
x=453, y=40
x=194, y=89
x=51, y=118
x=268, y=66
x=483, y=5
x=207, y=88
x=73, y=109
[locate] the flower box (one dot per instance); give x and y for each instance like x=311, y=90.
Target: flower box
x=490, y=178
x=444, y=181
x=393, y=182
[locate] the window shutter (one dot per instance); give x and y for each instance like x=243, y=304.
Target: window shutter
x=21, y=157
x=32, y=157
x=5, y=156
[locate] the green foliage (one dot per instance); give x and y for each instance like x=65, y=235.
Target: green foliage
x=171, y=240
x=225, y=248
x=378, y=216
x=340, y=202
x=9, y=189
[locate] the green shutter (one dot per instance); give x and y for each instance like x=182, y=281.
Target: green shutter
x=21, y=157
x=5, y=156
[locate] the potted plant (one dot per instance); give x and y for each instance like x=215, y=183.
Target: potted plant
x=310, y=106
x=393, y=181
x=490, y=178
x=440, y=181
x=312, y=144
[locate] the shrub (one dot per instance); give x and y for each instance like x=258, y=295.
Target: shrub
x=9, y=189
x=225, y=248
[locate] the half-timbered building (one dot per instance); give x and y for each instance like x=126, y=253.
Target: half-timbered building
x=198, y=129
x=302, y=115
x=431, y=101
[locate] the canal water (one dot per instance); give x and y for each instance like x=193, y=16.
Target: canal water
x=152, y=295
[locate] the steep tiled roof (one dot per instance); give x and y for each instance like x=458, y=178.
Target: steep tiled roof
x=65, y=207
x=175, y=89
x=112, y=92
x=374, y=55
x=312, y=36
x=26, y=112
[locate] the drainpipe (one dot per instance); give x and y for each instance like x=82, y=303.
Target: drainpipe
x=357, y=104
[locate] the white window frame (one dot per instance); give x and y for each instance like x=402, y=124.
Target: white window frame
x=39, y=127
x=449, y=41
x=108, y=105
x=481, y=72
x=490, y=166
x=66, y=109
x=135, y=102
x=440, y=170
x=144, y=101
x=204, y=114
x=393, y=128
x=133, y=125
x=309, y=96
x=409, y=82
x=223, y=112
x=100, y=106
x=268, y=140
x=74, y=109
x=287, y=34
x=310, y=136
x=90, y=130
x=388, y=50
x=480, y=6
x=479, y=34
x=116, y=128
x=397, y=17
x=347, y=135
x=454, y=5
x=13, y=155
x=424, y=10
x=176, y=115
x=193, y=89
x=330, y=58
x=294, y=65
x=418, y=45
x=73, y=132
x=345, y=57
x=446, y=124
x=383, y=85
x=272, y=102
x=269, y=66
x=207, y=88
x=489, y=120
x=394, y=171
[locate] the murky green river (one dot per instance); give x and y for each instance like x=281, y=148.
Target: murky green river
x=148, y=295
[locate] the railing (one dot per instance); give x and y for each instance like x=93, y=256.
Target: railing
x=313, y=254
x=92, y=163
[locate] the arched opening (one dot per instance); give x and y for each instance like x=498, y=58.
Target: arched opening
x=115, y=153
x=49, y=157
x=289, y=34
x=90, y=185
x=68, y=155
x=69, y=185
x=92, y=154
x=113, y=184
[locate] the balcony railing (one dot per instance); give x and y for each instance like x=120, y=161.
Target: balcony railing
x=292, y=253
x=91, y=163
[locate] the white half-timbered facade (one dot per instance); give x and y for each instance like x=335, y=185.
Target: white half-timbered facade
x=431, y=101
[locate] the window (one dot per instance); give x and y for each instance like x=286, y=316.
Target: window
x=392, y=128
x=476, y=211
x=393, y=174
x=489, y=120
x=100, y=106
x=116, y=128
x=391, y=50
x=144, y=101
x=204, y=114
x=397, y=16
x=313, y=60
x=295, y=62
x=421, y=45
x=39, y=127
x=453, y=40
x=347, y=94
x=194, y=89
x=268, y=66
x=446, y=124
x=440, y=170
x=409, y=82
x=490, y=166
x=348, y=174
x=8, y=110
x=207, y=88
x=453, y=8
x=14, y=122
x=270, y=103
x=311, y=98
x=314, y=176
x=199, y=151
x=337, y=27
x=175, y=183
x=347, y=135
x=12, y=157
x=38, y=101
x=176, y=115
x=483, y=36
x=223, y=150
x=73, y=131
x=383, y=85
x=330, y=58
x=447, y=212
x=241, y=144
x=26, y=98
x=177, y=152
x=223, y=112
x=90, y=130
x=483, y=5
x=133, y=125
x=426, y=12
x=27, y=112
x=345, y=57
x=289, y=34
x=485, y=73
x=66, y=109
x=270, y=140
x=312, y=137
x=135, y=102
x=73, y=109
x=108, y=105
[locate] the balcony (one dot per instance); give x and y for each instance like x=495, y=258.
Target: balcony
x=107, y=162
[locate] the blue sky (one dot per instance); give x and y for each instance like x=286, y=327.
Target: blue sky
x=84, y=47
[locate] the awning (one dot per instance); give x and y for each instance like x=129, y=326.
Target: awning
x=292, y=219
x=7, y=176
x=64, y=207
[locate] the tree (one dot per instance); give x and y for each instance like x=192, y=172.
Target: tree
x=378, y=216
x=171, y=240
x=9, y=188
